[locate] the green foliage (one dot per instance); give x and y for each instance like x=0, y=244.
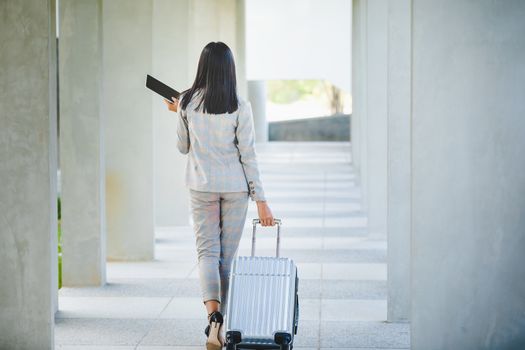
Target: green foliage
x=60, y=271
x=59, y=239
x=288, y=91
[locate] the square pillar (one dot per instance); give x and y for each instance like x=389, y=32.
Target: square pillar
x=376, y=116
x=81, y=144
x=468, y=175
x=399, y=163
x=127, y=58
x=358, y=80
x=240, y=47
x=170, y=25
x=257, y=97
x=28, y=173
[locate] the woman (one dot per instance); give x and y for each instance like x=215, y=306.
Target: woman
x=215, y=128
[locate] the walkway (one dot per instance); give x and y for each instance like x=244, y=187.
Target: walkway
x=156, y=305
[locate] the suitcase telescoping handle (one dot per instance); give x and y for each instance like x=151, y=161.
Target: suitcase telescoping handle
x=278, y=223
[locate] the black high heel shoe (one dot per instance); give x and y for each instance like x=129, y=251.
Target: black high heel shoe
x=213, y=331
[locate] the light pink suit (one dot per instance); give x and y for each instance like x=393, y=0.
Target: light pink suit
x=221, y=174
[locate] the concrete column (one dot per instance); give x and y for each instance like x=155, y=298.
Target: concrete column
x=356, y=79
x=81, y=144
x=218, y=20
x=240, y=47
x=359, y=90
x=210, y=20
x=170, y=62
x=257, y=97
x=468, y=175
x=399, y=98
x=127, y=57
x=28, y=173
x=376, y=116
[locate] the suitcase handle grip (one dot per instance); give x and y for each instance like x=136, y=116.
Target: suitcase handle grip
x=278, y=223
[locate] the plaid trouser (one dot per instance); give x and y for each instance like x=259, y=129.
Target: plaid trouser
x=218, y=222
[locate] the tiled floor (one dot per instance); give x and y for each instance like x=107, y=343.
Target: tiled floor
x=342, y=271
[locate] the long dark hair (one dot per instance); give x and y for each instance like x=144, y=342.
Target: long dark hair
x=215, y=80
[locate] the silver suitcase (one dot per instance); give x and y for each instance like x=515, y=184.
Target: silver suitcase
x=263, y=302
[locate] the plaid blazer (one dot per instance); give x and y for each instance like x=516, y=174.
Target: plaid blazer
x=221, y=150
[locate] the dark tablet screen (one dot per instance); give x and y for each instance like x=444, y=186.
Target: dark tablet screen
x=161, y=88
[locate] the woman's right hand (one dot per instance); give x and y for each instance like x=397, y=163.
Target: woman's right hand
x=172, y=106
x=265, y=214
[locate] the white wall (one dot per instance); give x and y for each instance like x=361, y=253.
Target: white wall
x=299, y=39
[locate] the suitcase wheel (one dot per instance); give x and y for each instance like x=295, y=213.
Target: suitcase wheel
x=284, y=339
x=232, y=338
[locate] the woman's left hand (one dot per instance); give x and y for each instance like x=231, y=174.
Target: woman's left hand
x=172, y=106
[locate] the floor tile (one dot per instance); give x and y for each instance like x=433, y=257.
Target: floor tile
x=354, y=271
x=111, y=307
x=94, y=347
x=353, y=310
x=150, y=269
x=337, y=334
x=346, y=221
x=309, y=270
x=269, y=242
x=342, y=206
x=353, y=289
x=352, y=243
x=102, y=331
x=186, y=253
x=176, y=332
x=127, y=287
x=309, y=309
x=185, y=308
x=307, y=334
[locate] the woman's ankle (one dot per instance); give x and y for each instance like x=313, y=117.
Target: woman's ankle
x=212, y=305
x=217, y=316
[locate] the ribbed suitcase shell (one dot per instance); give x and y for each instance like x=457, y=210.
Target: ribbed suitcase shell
x=261, y=298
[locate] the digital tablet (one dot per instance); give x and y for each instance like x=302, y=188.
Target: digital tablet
x=161, y=88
